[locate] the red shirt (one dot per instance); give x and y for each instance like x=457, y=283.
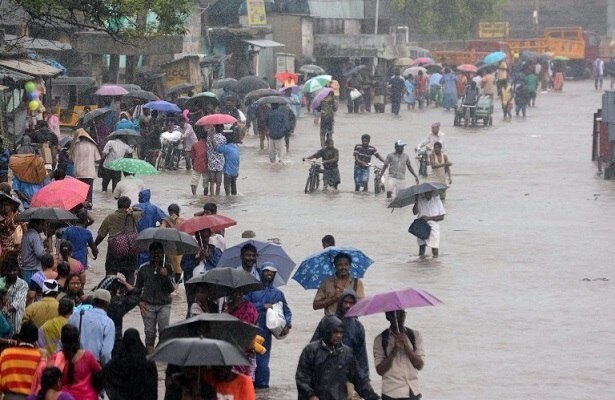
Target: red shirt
x=198, y=153
x=17, y=368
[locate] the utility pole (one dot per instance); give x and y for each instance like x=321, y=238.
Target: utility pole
x=535, y=17
x=376, y=17
x=610, y=20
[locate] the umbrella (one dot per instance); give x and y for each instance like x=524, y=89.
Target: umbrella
x=355, y=70
x=414, y=71
x=432, y=68
x=264, y=252
x=142, y=95
x=408, y=195
x=133, y=166
x=198, y=352
x=129, y=136
x=317, y=83
x=131, y=87
x=182, y=87
x=225, y=83
x=202, y=99
x=214, y=222
x=392, y=301
x=293, y=88
x=320, y=96
x=212, y=326
x=494, y=57
x=403, y=62
x=319, y=266
x=162, y=106
x=561, y=58
x=111, y=90
x=486, y=68
x=65, y=141
x=284, y=76
x=258, y=93
x=467, y=68
x=422, y=60
x=216, y=119
x=45, y=213
x=181, y=101
x=273, y=100
x=173, y=241
x=223, y=281
x=66, y=194
x=249, y=83
x=312, y=69
x=93, y=115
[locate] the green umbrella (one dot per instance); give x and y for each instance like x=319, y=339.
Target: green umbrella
x=316, y=83
x=133, y=166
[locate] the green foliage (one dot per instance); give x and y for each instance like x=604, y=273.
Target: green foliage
x=122, y=19
x=449, y=18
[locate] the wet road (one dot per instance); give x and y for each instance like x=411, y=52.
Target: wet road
x=527, y=222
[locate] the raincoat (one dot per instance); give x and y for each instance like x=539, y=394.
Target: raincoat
x=152, y=214
x=354, y=333
x=323, y=370
x=449, y=83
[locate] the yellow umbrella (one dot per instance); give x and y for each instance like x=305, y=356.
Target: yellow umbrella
x=403, y=61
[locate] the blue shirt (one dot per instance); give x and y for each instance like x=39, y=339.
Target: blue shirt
x=268, y=295
x=231, y=158
x=80, y=238
x=97, y=333
x=29, y=189
x=278, y=124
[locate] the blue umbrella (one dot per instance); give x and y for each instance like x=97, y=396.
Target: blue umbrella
x=264, y=252
x=319, y=266
x=162, y=106
x=494, y=57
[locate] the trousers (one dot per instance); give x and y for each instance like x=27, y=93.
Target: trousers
x=275, y=149
x=155, y=317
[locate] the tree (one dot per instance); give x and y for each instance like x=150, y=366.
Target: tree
x=449, y=19
x=121, y=19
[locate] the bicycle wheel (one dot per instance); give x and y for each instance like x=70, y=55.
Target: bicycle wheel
x=316, y=181
x=160, y=160
x=376, y=183
x=308, y=183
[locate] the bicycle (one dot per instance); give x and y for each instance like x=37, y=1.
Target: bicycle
x=313, y=180
x=378, y=185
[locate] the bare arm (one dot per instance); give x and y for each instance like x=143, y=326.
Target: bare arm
x=412, y=170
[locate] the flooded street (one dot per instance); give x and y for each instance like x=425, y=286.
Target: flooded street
x=525, y=266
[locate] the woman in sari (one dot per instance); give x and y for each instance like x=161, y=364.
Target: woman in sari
x=449, y=85
x=246, y=312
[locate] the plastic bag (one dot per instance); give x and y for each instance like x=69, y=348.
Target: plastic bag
x=355, y=94
x=275, y=320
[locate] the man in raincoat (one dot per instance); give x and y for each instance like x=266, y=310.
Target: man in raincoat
x=263, y=300
x=152, y=216
x=326, y=365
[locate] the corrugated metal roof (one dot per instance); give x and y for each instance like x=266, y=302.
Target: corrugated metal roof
x=337, y=9
x=74, y=80
x=264, y=43
x=30, y=43
x=14, y=75
x=31, y=67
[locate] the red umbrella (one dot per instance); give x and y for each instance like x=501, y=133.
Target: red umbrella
x=467, y=68
x=216, y=119
x=215, y=222
x=66, y=194
x=284, y=76
x=422, y=60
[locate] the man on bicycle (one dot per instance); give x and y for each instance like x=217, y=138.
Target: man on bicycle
x=330, y=157
x=362, y=158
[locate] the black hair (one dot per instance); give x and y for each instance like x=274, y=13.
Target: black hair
x=59, y=174
x=70, y=346
x=123, y=203
x=173, y=209
x=211, y=207
x=365, y=136
x=49, y=379
x=65, y=306
x=328, y=240
x=10, y=262
x=339, y=256
x=47, y=261
x=28, y=332
x=63, y=269
x=156, y=246
x=248, y=247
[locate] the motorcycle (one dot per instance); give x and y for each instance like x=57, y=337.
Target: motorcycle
x=170, y=152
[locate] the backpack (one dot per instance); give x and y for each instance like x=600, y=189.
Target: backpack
x=385, y=339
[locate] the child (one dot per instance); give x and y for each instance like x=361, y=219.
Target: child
x=198, y=154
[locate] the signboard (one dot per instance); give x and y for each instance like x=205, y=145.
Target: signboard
x=256, y=12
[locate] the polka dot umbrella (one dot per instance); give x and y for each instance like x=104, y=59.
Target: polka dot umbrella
x=133, y=166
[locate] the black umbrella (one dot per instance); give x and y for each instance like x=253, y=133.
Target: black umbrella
x=355, y=70
x=129, y=136
x=142, y=95
x=45, y=213
x=173, y=241
x=407, y=196
x=225, y=83
x=131, y=87
x=485, y=68
x=433, y=68
x=223, y=281
x=182, y=87
x=249, y=83
x=213, y=326
x=258, y=93
x=66, y=141
x=273, y=100
x=93, y=115
x=202, y=99
x=198, y=352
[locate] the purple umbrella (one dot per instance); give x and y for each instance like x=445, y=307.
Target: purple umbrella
x=320, y=96
x=392, y=301
x=111, y=90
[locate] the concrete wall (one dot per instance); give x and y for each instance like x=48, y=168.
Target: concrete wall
x=287, y=29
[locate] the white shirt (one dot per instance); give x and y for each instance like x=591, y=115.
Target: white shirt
x=114, y=150
x=430, y=208
x=129, y=186
x=431, y=140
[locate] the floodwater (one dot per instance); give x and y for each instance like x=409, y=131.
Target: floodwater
x=525, y=267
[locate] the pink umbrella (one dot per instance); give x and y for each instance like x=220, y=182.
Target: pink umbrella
x=216, y=119
x=422, y=60
x=392, y=301
x=111, y=90
x=467, y=68
x=320, y=96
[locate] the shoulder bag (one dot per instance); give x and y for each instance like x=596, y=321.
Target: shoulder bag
x=420, y=228
x=123, y=244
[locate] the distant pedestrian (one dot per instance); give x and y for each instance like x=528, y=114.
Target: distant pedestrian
x=198, y=155
x=598, y=72
x=129, y=187
x=327, y=109
x=215, y=159
x=84, y=154
x=397, y=163
x=430, y=209
x=231, y=167
x=531, y=84
x=521, y=98
x=151, y=217
x=397, y=86
x=113, y=150
x=507, y=100
x=278, y=127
